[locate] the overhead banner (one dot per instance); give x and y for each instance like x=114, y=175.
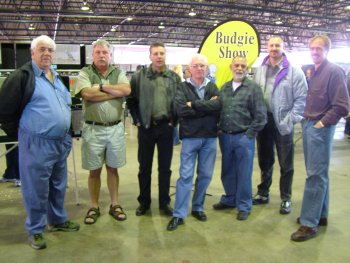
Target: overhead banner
x=229, y=39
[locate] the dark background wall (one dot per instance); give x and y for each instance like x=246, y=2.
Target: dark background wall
x=15, y=55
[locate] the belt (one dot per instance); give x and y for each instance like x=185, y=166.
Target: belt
x=159, y=122
x=106, y=124
x=234, y=132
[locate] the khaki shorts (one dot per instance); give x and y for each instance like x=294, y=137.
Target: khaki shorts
x=103, y=145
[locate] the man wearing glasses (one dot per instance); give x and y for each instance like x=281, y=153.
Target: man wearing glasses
x=197, y=104
x=43, y=117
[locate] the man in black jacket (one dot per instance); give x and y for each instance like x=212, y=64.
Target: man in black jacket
x=197, y=105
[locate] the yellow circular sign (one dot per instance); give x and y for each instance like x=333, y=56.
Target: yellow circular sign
x=229, y=39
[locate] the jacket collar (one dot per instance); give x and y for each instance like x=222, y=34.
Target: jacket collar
x=153, y=74
x=283, y=72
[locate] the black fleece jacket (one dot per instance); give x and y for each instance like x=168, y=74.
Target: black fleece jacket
x=201, y=119
x=15, y=93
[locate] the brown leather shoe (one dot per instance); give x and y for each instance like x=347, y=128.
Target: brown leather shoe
x=323, y=221
x=304, y=233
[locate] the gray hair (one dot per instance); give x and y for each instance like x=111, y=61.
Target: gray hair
x=101, y=42
x=199, y=56
x=42, y=39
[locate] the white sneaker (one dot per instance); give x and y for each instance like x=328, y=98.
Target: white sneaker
x=17, y=183
x=286, y=207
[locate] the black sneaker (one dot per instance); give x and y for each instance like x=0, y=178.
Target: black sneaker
x=68, y=226
x=260, y=200
x=221, y=206
x=286, y=207
x=242, y=215
x=37, y=241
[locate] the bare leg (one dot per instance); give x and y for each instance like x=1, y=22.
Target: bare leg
x=94, y=184
x=113, y=184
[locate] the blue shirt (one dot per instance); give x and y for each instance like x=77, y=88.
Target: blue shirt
x=48, y=112
x=201, y=89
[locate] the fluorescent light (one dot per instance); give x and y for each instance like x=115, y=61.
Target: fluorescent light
x=129, y=18
x=31, y=27
x=161, y=26
x=192, y=13
x=85, y=6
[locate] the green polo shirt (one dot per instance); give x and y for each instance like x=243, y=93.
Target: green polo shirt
x=101, y=111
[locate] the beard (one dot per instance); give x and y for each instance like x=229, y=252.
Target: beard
x=238, y=77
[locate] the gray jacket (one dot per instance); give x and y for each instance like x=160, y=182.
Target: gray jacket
x=288, y=96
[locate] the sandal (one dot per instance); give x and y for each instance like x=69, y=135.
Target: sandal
x=117, y=212
x=93, y=213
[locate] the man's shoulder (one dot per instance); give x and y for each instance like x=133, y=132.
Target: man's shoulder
x=250, y=83
x=335, y=68
x=87, y=68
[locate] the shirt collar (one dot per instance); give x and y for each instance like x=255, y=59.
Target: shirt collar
x=38, y=71
x=204, y=83
x=323, y=64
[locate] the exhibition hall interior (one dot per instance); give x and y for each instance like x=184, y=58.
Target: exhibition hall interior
x=220, y=30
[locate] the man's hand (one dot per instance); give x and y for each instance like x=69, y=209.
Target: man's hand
x=319, y=125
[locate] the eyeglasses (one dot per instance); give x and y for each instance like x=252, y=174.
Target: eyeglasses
x=201, y=66
x=43, y=49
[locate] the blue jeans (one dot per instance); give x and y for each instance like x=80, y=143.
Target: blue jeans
x=267, y=139
x=237, y=169
x=192, y=148
x=317, y=151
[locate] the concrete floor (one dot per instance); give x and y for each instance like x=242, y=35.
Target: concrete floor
x=264, y=237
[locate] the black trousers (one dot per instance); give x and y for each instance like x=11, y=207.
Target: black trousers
x=267, y=139
x=162, y=136
x=12, y=171
x=347, y=126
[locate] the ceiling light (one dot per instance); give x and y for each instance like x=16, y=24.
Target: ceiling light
x=129, y=18
x=161, y=26
x=278, y=21
x=113, y=29
x=347, y=8
x=192, y=13
x=31, y=27
x=85, y=6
